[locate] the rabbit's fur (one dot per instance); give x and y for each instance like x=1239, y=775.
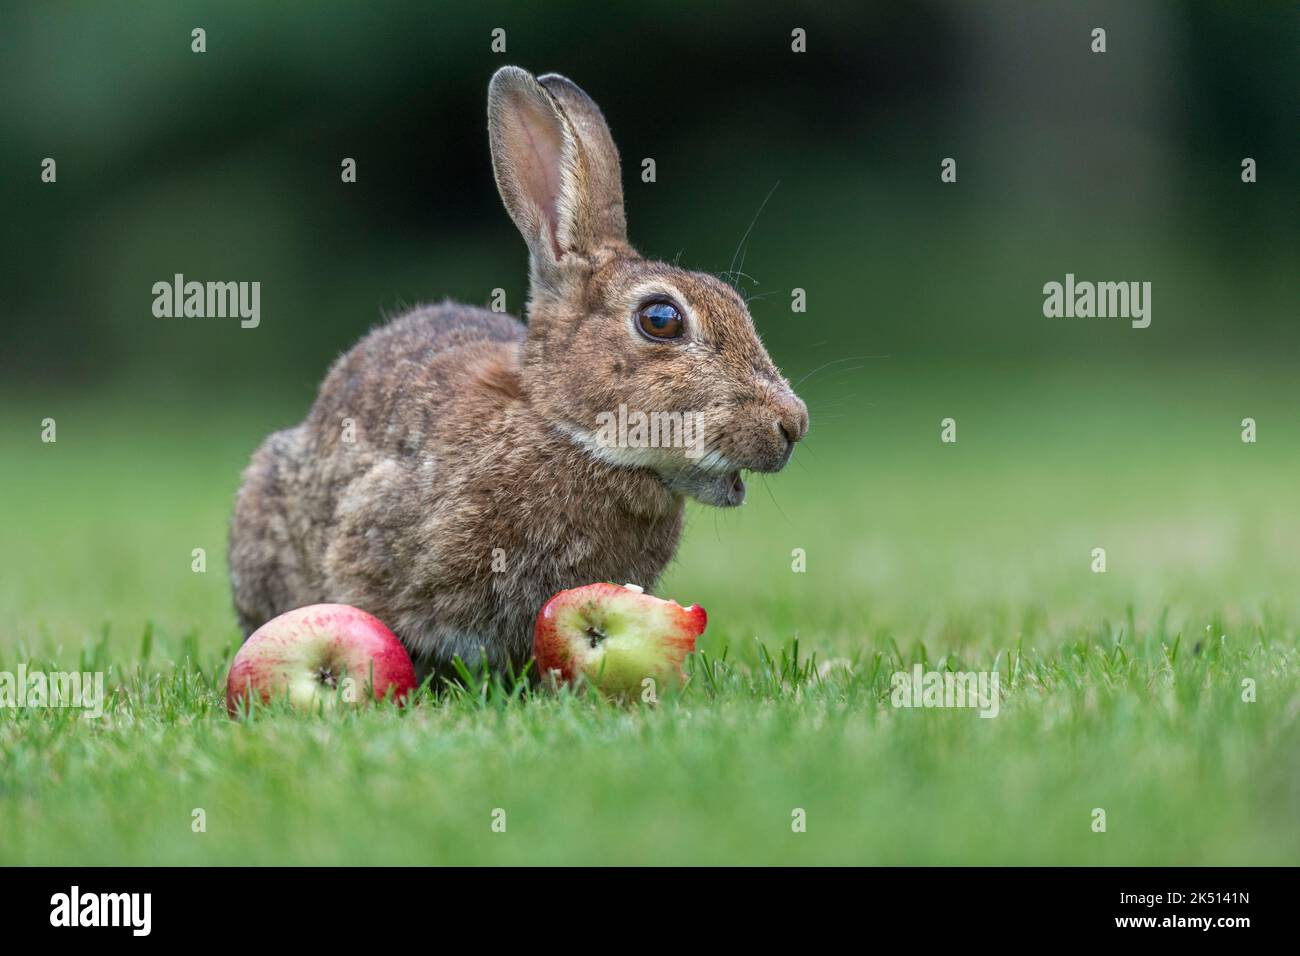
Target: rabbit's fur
x=447, y=478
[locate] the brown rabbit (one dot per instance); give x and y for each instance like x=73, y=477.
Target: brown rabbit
x=457, y=468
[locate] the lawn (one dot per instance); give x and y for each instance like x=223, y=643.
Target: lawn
x=1122, y=691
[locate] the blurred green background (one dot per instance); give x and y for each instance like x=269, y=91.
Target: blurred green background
x=924, y=299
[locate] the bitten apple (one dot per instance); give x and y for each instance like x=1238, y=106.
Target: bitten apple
x=616, y=637
x=320, y=656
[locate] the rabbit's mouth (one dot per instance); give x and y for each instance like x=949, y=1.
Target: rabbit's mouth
x=725, y=489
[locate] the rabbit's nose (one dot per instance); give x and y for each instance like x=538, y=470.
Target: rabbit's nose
x=792, y=417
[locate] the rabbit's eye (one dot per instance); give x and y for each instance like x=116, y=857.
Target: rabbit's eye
x=660, y=319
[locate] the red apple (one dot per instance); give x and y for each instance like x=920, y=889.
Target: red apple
x=320, y=656
x=616, y=637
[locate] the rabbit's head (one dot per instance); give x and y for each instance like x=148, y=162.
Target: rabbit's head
x=642, y=363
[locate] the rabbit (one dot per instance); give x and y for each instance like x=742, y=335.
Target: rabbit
x=450, y=477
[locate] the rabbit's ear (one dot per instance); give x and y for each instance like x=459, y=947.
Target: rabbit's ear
x=604, y=176
x=554, y=187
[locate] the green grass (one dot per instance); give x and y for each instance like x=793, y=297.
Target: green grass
x=1123, y=691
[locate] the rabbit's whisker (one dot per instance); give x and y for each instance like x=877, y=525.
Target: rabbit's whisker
x=741, y=250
